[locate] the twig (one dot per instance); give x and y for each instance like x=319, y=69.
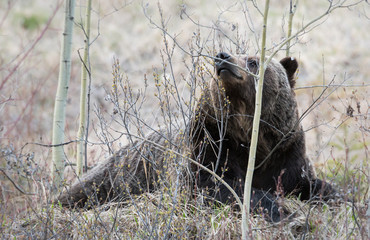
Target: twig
x=51, y=145
x=15, y=184
x=330, y=9
x=332, y=85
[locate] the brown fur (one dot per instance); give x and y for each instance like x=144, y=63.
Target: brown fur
x=134, y=169
x=222, y=131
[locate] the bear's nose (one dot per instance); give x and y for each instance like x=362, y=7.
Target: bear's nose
x=222, y=56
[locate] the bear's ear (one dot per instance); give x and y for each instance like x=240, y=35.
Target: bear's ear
x=290, y=64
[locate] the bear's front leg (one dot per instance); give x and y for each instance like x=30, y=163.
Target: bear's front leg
x=265, y=203
x=315, y=189
x=262, y=202
x=321, y=190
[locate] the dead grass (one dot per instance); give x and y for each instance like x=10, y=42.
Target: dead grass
x=156, y=216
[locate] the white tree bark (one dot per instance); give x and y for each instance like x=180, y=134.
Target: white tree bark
x=85, y=68
x=255, y=129
x=58, y=156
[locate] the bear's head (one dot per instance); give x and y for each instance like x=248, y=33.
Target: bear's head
x=236, y=77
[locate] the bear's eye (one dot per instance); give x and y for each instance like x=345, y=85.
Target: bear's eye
x=252, y=63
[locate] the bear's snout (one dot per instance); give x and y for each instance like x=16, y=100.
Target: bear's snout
x=225, y=66
x=222, y=56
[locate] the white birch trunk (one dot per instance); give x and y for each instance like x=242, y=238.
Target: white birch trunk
x=58, y=156
x=83, y=97
x=255, y=129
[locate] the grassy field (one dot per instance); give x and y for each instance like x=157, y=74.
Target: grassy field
x=152, y=41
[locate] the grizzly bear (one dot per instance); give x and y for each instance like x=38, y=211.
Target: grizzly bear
x=218, y=136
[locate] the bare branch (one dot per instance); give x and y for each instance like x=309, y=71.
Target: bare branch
x=20, y=189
